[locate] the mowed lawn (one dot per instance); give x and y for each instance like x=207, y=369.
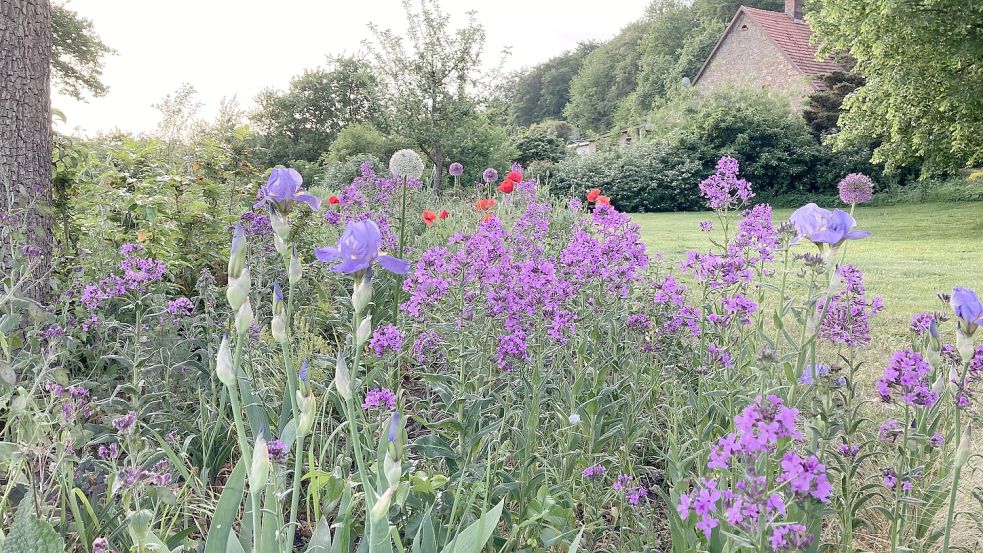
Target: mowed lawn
x=916, y=252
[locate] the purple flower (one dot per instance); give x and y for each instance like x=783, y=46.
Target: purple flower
x=966, y=304
x=277, y=451
x=907, y=375
x=283, y=189
x=811, y=374
x=706, y=226
x=822, y=226
x=100, y=545
x=386, y=338
x=848, y=450
x=304, y=371
x=889, y=431
x=379, y=398
x=936, y=441
x=856, y=188
x=921, y=323
x=490, y=175
x=809, y=220
x=594, y=471
x=723, y=189
x=790, y=537
x=179, y=309
x=456, y=169
x=358, y=248
x=126, y=423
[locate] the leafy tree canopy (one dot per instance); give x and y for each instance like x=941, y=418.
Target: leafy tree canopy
x=923, y=64
x=542, y=92
x=77, y=54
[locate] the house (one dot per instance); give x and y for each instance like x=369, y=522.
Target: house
x=622, y=138
x=766, y=49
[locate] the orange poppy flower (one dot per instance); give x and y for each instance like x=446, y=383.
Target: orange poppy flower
x=603, y=200
x=486, y=217
x=485, y=204
x=429, y=217
x=593, y=194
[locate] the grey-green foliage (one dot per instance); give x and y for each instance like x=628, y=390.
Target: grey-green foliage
x=542, y=92
x=29, y=534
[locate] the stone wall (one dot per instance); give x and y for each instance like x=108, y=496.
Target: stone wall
x=747, y=57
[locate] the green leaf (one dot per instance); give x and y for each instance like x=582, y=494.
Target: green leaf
x=30, y=534
x=321, y=540
x=474, y=537
x=228, y=508
x=575, y=544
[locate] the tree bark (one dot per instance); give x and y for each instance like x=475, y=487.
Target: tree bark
x=25, y=139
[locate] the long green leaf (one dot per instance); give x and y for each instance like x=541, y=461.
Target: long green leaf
x=228, y=507
x=474, y=537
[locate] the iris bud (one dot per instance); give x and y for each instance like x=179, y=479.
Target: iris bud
x=237, y=256
x=362, y=294
x=244, y=318
x=342, y=379
x=223, y=363
x=238, y=289
x=307, y=406
x=380, y=510
x=279, y=327
x=965, y=446
x=294, y=272
x=259, y=471
x=364, y=331
x=281, y=226
x=964, y=344
x=281, y=246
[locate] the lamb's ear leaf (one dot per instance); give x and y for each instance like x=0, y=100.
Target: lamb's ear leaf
x=29, y=534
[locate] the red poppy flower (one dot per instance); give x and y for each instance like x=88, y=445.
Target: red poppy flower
x=486, y=217
x=485, y=204
x=429, y=217
x=507, y=186
x=603, y=200
x=514, y=176
x=593, y=194
x=443, y=214
x=333, y=200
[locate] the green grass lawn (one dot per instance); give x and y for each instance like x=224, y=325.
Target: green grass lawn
x=916, y=252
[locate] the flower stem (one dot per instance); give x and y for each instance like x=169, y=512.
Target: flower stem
x=951, y=511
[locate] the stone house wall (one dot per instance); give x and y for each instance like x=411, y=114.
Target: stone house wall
x=747, y=57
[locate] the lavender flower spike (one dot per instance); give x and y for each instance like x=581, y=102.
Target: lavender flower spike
x=283, y=189
x=358, y=248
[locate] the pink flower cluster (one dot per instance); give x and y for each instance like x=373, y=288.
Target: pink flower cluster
x=723, y=190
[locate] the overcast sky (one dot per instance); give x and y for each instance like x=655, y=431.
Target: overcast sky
x=239, y=47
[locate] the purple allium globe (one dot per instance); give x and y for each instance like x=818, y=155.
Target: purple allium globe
x=856, y=188
x=490, y=175
x=456, y=169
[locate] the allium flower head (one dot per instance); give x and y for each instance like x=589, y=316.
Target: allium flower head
x=407, y=164
x=489, y=175
x=283, y=189
x=358, y=248
x=856, y=188
x=456, y=169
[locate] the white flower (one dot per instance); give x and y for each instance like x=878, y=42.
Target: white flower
x=574, y=418
x=407, y=164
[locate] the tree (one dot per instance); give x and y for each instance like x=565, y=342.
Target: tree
x=301, y=122
x=359, y=138
x=608, y=75
x=542, y=92
x=824, y=107
x=77, y=53
x=923, y=65
x=536, y=144
x=25, y=135
x=430, y=77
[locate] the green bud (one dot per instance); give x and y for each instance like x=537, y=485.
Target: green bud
x=343, y=379
x=964, y=344
x=391, y=469
x=364, y=331
x=965, y=447
x=380, y=511
x=238, y=289
x=244, y=318
x=281, y=226
x=237, y=255
x=259, y=470
x=223, y=363
x=295, y=271
x=279, y=328
x=362, y=294
x=307, y=406
x=280, y=244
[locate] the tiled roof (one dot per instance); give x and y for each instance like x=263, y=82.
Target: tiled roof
x=789, y=36
x=792, y=38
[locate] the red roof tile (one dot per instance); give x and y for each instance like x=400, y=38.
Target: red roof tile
x=792, y=38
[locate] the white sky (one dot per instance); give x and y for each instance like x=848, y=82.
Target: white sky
x=239, y=47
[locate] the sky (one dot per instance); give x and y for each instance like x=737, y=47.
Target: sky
x=229, y=48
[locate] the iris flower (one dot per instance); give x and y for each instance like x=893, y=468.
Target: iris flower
x=358, y=248
x=967, y=307
x=823, y=226
x=283, y=189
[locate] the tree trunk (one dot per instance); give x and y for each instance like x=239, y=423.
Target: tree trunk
x=25, y=139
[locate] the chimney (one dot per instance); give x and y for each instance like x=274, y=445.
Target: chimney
x=793, y=9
